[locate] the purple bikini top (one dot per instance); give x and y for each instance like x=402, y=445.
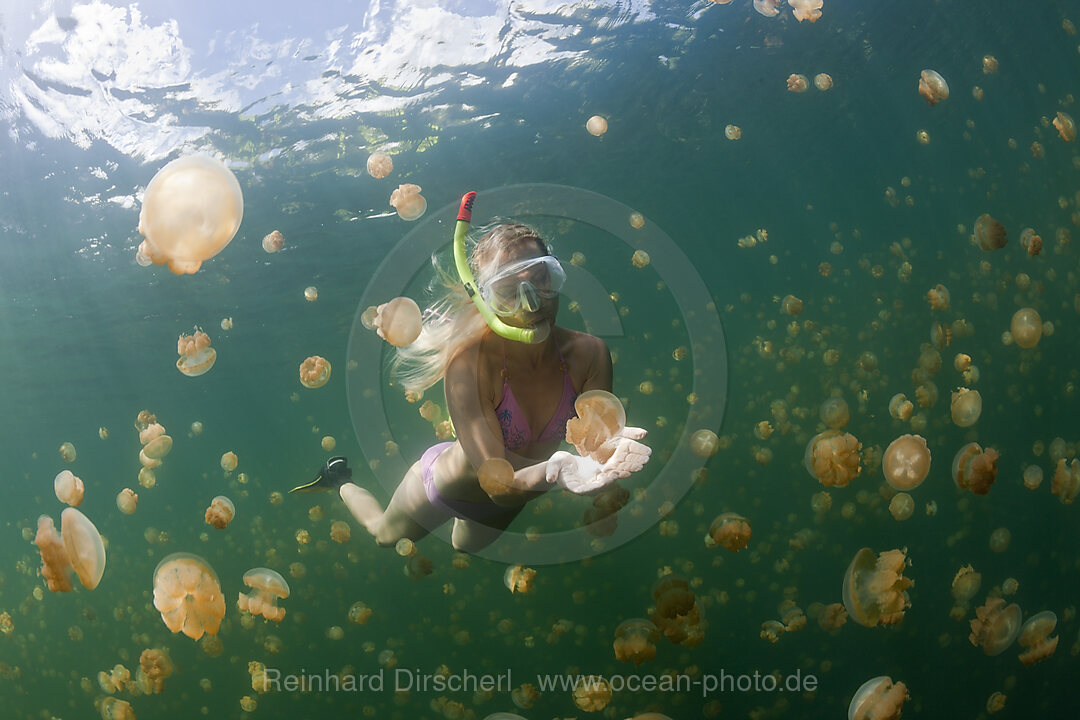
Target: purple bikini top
x=515, y=429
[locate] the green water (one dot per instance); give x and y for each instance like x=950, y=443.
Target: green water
x=87, y=340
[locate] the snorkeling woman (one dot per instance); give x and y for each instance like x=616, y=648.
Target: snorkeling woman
x=511, y=377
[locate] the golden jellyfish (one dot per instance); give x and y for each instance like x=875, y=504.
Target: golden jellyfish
x=267, y=587
x=116, y=709
x=84, y=546
x=314, y=372
x=69, y=488
x=635, y=641
x=592, y=693
x=965, y=584
x=191, y=210
x=147, y=478
x=154, y=667
x=379, y=165
x=1033, y=477
x=640, y=259
x=1065, y=482
x=791, y=305
x=834, y=412
x=823, y=81
x=311, y=293
x=875, y=589
x=340, y=532
x=995, y=626
x=965, y=407
x=704, y=443
x=906, y=462
x=229, y=461
x=596, y=125
x=220, y=513
x=496, y=476
x=1034, y=636
x=227, y=323
x=188, y=595
x=938, y=297
x=923, y=137
x=768, y=8
x=155, y=450
x=328, y=443
x=806, y=10
x=126, y=501
x=973, y=469
x=67, y=452
x=1030, y=242
x=1026, y=327
x=732, y=132
x=989, y=64
x=878, y=699
x=832, y=617
x=797, y=83
x=196, y=355
x=933, y=87
x=995, y=703
x=519, y=579
x=901, y=506
x=600, y=418
x=273, y=242
x=989, y=233
x=1066, y=127
x=832, y=458
x=637, y=220
x=730, y=530
x=399, y=321
x=900, y=407
x=408, y=201
x=55, y=565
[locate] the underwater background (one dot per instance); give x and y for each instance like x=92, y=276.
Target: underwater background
x=96, y=97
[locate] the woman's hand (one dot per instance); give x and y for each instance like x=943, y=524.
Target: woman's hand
x=585, y=476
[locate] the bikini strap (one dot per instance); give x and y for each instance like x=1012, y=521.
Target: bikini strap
x=562, y=361
x=505, y=372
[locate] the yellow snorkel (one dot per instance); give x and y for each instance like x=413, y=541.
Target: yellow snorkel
x=526, y=335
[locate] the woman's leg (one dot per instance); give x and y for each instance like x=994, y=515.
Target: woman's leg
x=470, y=536
x=409, y=514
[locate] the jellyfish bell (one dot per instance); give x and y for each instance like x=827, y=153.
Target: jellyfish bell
x=965, y=407
x=314, y=372
x=878, y=699
x=635, y=640
x=875, y=589
x=273, y=242
x=995, y=626
x=797, y=83
x=196, y=355
x=188, y=595
x=158, y=448
x=116, y=709
x=768, y=8
x=67, y=452
x=1026, y=327
x=1034, y=636
x=731, y=531
x=191, y=210
x=806, y=10
x=408, y=202
x=127, y=501
x=832, y=458
x=220, y=513
x=84, y=546
x=1066, y=126
x=933, y=87
x=379, y=165
x=974, y=469
x=834, y=412
x=399, y=321
x=600, y=418
x=69, y=488
x=496, y=476
x=267, y=587
x=823, y=81
x=989, y=233
x=596, y=125
x=704, y=443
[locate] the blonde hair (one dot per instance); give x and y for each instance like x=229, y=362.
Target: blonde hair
x=452, y=322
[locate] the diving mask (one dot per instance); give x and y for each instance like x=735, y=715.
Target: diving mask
x=523, y=284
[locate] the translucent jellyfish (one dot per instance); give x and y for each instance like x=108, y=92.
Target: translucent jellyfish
x=933, y=87
x=732, y=132
x=1066, y=126
x=938, y=297
x=704, y=443
x=314, y=372
x=995, y=703
x=496, y=476
x=67, y=452
x=596, y=125
x=1030, y=242
x=832, y=457
x=220, y=513
x=906, y=462
x=196, y=355
x=1026, y=327
x=1000, y=539
x=519, y=579
x=267, y=586
x=635, y=641
x=229, y=461
x=791, y=305
x=901, y=506
x=834, y=412
x=1066, y=481
x=677, y=613
x=328, y=443
x=525, y=696
x=797, y=83
x=156, y=449
x=768, y=8
x=989, y=64
x=832, y=617
x=989, y=233
x=116, y=709
x=379, y=165
x=1034, y=636
x=600, y=418
x=637, y=220
x=188, y=595
x=85, y=549
x=1033, y=477
x=399, y=321
x=340, y=532
x=900, y=407
x=408, y=201
x=806, y=10
x=973, y=469
x=55, y=565
x=640, y=259
x=823, y=81
x=69, y=488
x=273, y=242
x=126, y=501
x=995, y=626
x=875, y=589
x=154, y=667
x=923, y=137
x=731, y=531
x=878, y=699
x=191, y=210
x=965, y=407
x=965, y=584
x=311, y=293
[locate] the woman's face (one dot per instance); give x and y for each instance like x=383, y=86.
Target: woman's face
x=547, y=307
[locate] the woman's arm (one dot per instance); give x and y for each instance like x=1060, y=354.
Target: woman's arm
x=599, y=375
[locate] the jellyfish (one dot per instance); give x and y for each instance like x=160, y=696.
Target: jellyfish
x=116, y=709
x=69, y=488
x=637, y=220
x=823, y=81
x=965, y=407
x=592, y=693
x=768, y=8
x=797, y=83
x=596, y=125
x=730, y=530
x=155, y=449
x=273, y=242
x=875, y=589
x=806, y=10
x=965, y=584
x=989, y=233
x=126, y=501
x=311, y=293
x=1065, y=482
x=704, y=443
x=901, y=506
x=379, y=165
x=408, y=201
x=878, y=699
x=995, y=626
x=731, y=132
x=635, y=641
x=900, y=407
x=1065, y=125
x=519, y=579
x=834, y=412
x=154, y=667
x=314, y=372
x=55, y=564
x=933, y=87
x=496, y=476
x=85, y=549
x=678, y=614
x=229, y=461
x=832, y=617
x=340, y=532
x=791, y=305
x=906, y=462
x=989, y=64
x=267, y=586
x=525, y=696
x=1026, y=327
x=1030, y=242
x=191, y=210
x=600, y=419
x=832, y=457
x=220, y=513
x=188, y=595
x=938, y=297
x=1034, y=636
x=399, y=321
x=973, y=469
x=640, y=259
x=196, y=355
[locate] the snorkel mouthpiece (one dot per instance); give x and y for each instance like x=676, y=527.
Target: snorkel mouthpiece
x=536, y=334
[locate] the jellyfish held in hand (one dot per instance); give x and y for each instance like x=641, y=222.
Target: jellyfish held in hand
x=600, y=417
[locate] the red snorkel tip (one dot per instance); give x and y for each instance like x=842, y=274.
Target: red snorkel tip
x=465, y=211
